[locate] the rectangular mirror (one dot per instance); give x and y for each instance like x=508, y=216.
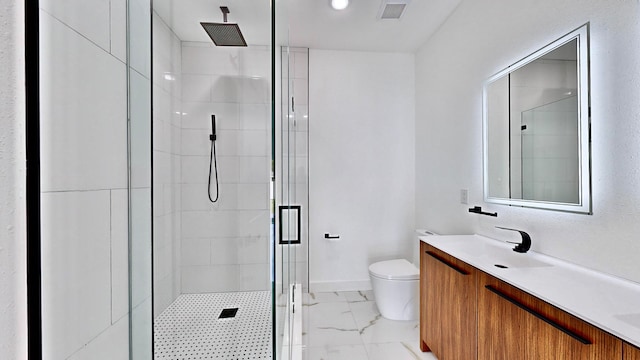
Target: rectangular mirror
x=536, y=129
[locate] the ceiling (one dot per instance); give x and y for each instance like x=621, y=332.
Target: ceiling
x=312, y=23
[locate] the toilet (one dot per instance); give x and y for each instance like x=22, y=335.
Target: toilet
x=396, y=288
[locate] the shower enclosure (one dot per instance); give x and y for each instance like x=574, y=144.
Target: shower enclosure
x=210, y=256
x=220, y=188
x=137, y=262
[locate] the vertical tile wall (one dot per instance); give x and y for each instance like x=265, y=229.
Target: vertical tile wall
x=13, y=212
x=225, y=246
x=84, y=179
x=167, y=113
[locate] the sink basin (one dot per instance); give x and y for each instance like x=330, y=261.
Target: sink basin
x=515, y=261
x=493, y=253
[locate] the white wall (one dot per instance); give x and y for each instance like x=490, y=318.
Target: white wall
x=478, y=40
x=167, y=110
x=84, y=179
x=13, y=296
x=361, y=108
x=225, y=245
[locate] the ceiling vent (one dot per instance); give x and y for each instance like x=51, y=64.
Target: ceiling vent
x=392, y=9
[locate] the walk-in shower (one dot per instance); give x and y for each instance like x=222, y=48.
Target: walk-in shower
x=211, y=230
x=218, y=178
x=159, y=235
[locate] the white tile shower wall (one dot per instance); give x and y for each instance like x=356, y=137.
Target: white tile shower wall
x=109, y=345
x=167, y=197
x=13, y=292
x=86, y=146
x=76, y=269
x=449, y=126
x=119, y=255
x=118, y=15
x=89, y=18
x=84, y=179
x=225, y=245
x=362, y=163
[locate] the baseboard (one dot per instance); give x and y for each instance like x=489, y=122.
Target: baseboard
x=330, y=286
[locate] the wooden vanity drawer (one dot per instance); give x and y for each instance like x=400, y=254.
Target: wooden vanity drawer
x=630, y=352
x=448, y=305
x=515, y=325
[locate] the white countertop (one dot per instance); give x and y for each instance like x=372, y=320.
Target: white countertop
x=607, y=302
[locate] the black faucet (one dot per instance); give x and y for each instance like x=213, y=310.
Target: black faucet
x=522, y=247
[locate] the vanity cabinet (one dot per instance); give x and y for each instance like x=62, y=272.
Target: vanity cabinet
x=448, y=305
x=468, y=314
x=515, y=325
x=630, y=352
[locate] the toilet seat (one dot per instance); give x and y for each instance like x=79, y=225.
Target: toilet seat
x=399, y=269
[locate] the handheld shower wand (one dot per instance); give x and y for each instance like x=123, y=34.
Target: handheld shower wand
x=213, y=162
x=212, y=137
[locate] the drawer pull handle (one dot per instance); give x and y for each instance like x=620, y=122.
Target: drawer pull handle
x=538, y=315
x=435, y=256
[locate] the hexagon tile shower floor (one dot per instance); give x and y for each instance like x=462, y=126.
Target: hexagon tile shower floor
x=192, y=327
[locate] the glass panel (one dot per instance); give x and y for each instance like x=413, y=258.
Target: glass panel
x=88, y=204
x=291, y=160
x=292, y=195
x=139, y=70
x=285, y=250
x=212, y=182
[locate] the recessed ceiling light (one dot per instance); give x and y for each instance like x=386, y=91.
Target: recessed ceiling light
x=339, y=4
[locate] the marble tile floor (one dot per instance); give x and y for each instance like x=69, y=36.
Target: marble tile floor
x=348, y=326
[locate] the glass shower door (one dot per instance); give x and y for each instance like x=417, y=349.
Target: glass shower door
x=212, y=182
x=291, y=196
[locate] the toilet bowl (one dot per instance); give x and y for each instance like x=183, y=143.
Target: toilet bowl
x=396, y=288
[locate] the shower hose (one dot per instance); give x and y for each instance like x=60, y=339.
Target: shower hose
x=213, y=165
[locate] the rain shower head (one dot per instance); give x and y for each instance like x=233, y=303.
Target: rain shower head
x=224, y=34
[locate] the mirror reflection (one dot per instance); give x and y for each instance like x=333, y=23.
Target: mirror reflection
x=536, y=130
